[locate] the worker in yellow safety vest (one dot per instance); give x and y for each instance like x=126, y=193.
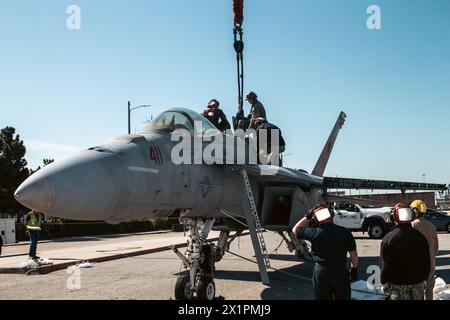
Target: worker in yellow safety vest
x=33, y=223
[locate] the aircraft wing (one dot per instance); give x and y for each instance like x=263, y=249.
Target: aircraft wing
x=279, y=175
x=349, y=183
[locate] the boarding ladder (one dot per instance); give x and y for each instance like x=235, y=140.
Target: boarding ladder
x=254, y=226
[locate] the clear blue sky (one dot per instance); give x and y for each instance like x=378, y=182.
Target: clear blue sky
x=307, y=60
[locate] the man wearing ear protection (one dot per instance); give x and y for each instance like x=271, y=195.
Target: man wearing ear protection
x=430, y=233
x=405, y=258
x=330, y=245
x=216, y=116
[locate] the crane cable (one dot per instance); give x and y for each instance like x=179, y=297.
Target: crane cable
x=238, y=15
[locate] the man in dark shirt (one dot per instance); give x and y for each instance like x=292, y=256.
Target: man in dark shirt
x=257, y=110
x=330, y=245
x=405, y=258
x=264, y=130
x=216, y=116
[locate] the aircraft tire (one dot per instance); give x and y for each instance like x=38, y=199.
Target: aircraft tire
x=183, y=288
x=206, y=288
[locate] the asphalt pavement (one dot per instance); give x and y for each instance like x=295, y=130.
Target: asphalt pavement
x=153, y=276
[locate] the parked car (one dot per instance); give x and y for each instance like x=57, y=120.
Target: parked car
x=441, y=220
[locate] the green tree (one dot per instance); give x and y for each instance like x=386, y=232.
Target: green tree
x=13, y=169
x=45, y=162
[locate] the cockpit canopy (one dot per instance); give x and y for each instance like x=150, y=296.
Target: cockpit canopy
x=180, y=118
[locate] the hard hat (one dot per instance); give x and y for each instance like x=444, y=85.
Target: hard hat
x=251, y=95
x=419, y=205
x=323, y=214
x=403, y=214
x=213, y=103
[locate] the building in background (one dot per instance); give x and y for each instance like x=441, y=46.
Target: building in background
x=391, y=199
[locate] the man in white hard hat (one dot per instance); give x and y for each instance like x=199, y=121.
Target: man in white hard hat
x=329, y=245
x=405, y=258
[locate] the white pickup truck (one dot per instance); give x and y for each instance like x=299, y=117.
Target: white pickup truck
x=356, y=218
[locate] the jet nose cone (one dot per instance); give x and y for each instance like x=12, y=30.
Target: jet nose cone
x=87, y=186
x=37, y=193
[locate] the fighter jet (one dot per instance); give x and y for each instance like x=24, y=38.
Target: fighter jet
x=135, y=177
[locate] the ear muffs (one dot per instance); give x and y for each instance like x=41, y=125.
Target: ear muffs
x=403, y=214
x=416, y=214
x=323, y=214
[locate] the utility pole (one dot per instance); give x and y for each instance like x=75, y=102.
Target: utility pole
x=129, y=113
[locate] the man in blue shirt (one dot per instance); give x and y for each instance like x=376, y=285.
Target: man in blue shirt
x=329, y=244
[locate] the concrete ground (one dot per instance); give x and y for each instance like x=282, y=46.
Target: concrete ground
x=87, y=248
x=153, y=276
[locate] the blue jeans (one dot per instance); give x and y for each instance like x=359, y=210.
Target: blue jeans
x=34, y=238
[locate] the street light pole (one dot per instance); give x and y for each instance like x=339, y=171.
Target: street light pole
x=129, y=113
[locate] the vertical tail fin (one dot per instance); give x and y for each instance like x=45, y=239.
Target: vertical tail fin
x=322, y=162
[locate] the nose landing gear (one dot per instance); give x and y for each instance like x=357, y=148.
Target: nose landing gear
x=199, y=260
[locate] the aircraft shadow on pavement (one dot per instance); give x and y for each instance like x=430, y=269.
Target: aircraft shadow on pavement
x=284, y=284
x=284, y=257
x=302, y=269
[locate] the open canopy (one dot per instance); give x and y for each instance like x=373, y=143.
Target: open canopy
x=180, y=118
